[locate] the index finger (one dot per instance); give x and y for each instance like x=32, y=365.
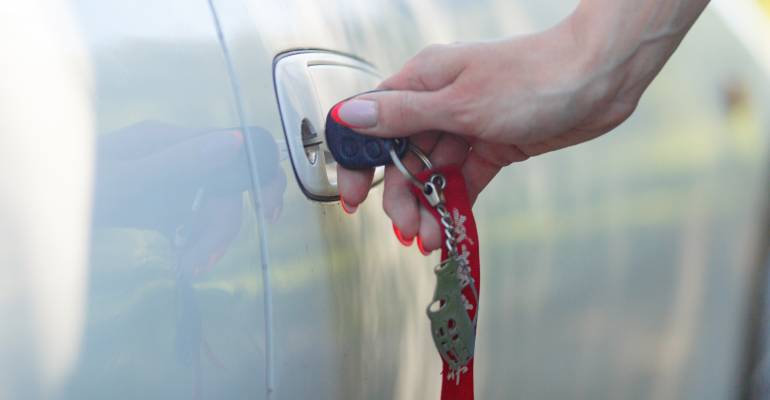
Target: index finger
x=353, y=186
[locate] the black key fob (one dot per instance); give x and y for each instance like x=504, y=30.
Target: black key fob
x=353, y=150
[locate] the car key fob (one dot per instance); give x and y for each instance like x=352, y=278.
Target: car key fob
x=353, y=150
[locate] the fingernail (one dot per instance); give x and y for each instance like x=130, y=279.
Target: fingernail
x=356, y=113
x=421, y=247
x=400, y=237
x=347, y=208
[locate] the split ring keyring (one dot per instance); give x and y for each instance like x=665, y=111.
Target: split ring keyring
x=404, y=170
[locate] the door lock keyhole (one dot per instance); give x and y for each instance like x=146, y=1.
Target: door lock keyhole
x=310, y=141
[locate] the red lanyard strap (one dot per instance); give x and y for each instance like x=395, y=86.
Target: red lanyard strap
x=455, y=307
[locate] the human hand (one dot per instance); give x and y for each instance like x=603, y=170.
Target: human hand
x=483, y=106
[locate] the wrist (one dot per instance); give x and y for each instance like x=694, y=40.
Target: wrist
x=625, y=43
x=585, y=48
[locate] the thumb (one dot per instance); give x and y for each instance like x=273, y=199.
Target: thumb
x=394, y=113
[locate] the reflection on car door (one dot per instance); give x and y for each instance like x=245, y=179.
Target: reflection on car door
x=175, y=296
x=348, y=301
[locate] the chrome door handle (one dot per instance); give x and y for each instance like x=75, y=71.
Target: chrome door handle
x=307, y=84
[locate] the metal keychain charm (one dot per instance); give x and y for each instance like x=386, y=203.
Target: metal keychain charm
x=452, y=329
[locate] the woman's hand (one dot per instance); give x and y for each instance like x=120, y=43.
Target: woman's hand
x=483, y=106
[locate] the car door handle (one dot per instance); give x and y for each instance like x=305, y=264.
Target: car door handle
x=307, y=84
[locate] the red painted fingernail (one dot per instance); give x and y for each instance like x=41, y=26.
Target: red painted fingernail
x=355, y=113
x=421, y=247
x=400, y=237
x=335, y=113
x=347, y=208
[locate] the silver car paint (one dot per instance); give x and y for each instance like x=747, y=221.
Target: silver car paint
x=617, y=269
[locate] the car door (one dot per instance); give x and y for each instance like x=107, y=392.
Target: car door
x=347, y=302
x=221, y=266
x=621, y=268
x=174, y=295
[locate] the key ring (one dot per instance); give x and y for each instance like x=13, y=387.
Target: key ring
x=404, y=170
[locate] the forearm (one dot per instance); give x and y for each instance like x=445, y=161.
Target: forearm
x=628, y=41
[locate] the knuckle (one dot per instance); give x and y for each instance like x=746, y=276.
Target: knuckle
x=463, y=114
x=411, y=67
x=431, y=51
x=420, y=69
x=415, y=80
x=404, y=108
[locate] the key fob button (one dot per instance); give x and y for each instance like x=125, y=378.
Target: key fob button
x=373, y=149
x=349, y=147
x=353, y=150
